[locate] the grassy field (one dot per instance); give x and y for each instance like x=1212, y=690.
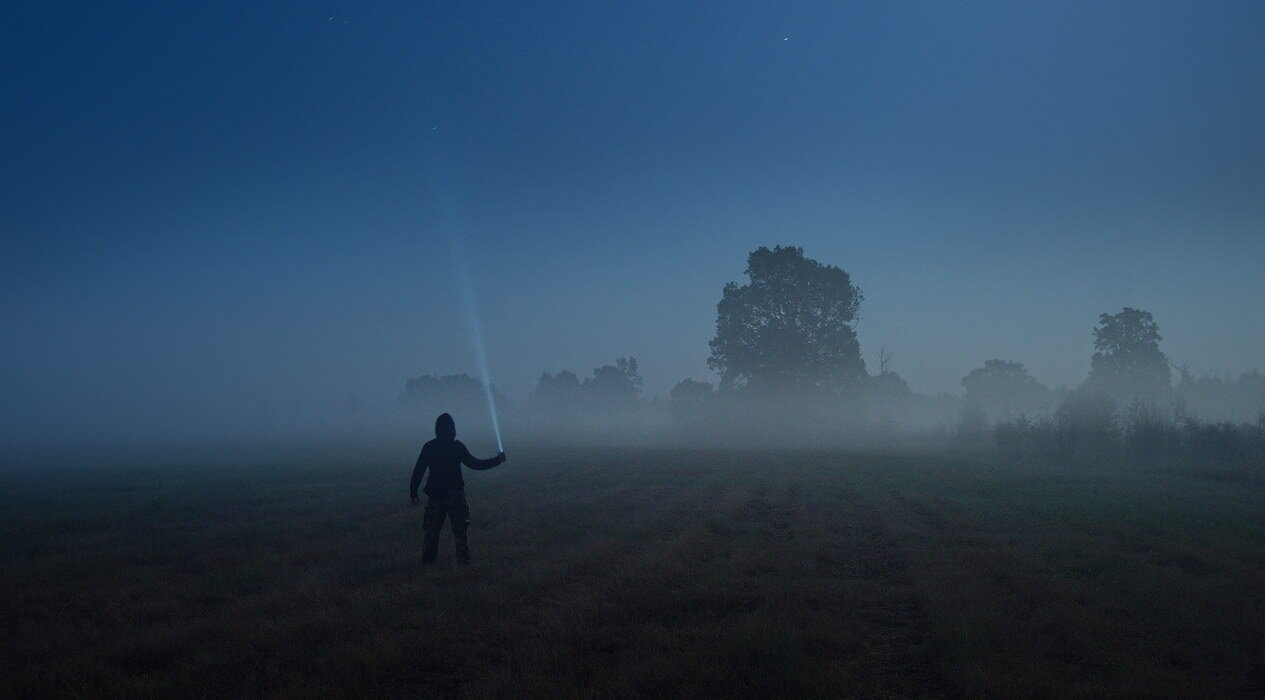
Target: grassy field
x=634, y=572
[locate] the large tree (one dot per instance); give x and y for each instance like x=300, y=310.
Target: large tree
x=1127, y=361
x=790, y=328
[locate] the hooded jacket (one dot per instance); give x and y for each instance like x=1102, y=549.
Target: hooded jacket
x=444, y=456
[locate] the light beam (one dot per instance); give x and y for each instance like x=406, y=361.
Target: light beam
x=476, y=336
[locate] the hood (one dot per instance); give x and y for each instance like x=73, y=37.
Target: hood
x=445, y=427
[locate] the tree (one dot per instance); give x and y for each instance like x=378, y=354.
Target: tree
x=888, y=386
x=690, y=399
x=614, y=385
x=1004, y=389
x=455, y=393
x=789, y=328
x=556, y=393
x=1127, y=361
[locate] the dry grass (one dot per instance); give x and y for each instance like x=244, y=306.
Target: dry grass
x=633, y=573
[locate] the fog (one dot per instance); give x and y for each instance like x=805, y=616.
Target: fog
x=236, y=224
x=795, y=348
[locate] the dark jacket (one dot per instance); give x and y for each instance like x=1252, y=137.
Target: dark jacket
x=444, y=456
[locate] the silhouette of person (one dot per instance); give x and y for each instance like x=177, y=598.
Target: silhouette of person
x=445, y=489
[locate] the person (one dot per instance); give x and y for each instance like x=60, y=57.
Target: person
x=445, y=489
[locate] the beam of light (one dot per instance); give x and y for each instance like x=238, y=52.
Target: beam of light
x=462, y=274
x=449, y=220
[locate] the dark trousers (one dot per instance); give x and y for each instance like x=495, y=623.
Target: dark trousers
x=451, y=505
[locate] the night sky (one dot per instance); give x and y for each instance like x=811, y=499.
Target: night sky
x=216, y=214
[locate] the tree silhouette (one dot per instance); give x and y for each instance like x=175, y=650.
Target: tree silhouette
x=1004, y=389
x=452, y=392
x=789, y=328
x=1127, y=361
x=558, y=393
x=614, y=385
x=888, y=385
x=690, y=399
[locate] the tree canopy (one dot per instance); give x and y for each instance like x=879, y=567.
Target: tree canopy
x=1127, y=361
x=690, y=399
x=458, y=393
x=617, y=384
x=611, y=386
x=556, y=393
x=790, y=328
x=1004, y=389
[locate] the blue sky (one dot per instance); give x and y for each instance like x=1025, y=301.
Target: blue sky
x=226, y=211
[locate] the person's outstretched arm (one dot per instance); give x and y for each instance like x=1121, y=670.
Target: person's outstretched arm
x=418, y=470
x=469, y=460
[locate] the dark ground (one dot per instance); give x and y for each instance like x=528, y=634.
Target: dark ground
x=634, y=572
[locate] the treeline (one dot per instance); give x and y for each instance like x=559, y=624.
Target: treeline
x=790, y=371
x=606, y=403
x=1127, y=409
x=1216, y=421
x=453, y=393
x=1092, y=429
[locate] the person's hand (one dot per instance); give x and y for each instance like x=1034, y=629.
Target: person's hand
x=414, y=500
x=501, y=457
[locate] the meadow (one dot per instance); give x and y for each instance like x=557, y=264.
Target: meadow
x=633, y=572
